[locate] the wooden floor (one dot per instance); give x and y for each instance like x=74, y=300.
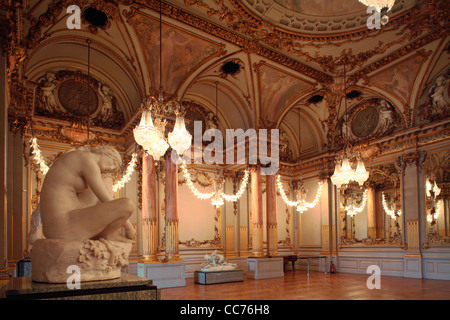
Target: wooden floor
x=296, y=285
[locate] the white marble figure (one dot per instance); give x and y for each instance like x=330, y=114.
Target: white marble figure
x=76, y=201
x=48, y=87
x=385, y=119
x=107, y=96
x=81, y=221
x=215, y=262
x=210, y=124
x=437, y=95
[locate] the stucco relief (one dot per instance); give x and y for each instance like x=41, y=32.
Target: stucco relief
x=370, y=119
x=72, y=96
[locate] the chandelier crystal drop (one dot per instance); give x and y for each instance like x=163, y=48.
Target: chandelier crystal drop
x=379, y=3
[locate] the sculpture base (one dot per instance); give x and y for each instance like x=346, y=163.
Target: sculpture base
x=213, y=277
x=55, y=260
x=265, y=268
x=164, y=274
x=127, y=287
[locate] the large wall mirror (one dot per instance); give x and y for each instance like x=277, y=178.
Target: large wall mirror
x=437, y=193
x=372, y=214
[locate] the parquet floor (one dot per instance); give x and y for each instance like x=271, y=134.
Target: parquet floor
x=296, y=285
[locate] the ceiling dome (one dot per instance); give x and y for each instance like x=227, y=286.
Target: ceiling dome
x=318, y=16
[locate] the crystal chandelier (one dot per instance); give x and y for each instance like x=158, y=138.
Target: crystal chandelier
x=151, y=136
x=343, y=173
x=379, y=3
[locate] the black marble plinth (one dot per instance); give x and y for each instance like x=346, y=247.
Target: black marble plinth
x=127, y=287
x=213, y=277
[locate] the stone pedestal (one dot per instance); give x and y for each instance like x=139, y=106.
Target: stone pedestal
x=163, y=275
x=54, y=260
x=213, y=277
x=127, y=287
x=265, y=268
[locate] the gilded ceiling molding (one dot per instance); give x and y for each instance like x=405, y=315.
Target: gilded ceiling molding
x=248, y=45
x=246, y=22
x=411, y=47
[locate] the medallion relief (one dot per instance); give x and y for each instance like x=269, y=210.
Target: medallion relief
x=370, y=119
x=68, y=95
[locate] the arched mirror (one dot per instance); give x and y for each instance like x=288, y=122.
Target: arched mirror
x=372, y=214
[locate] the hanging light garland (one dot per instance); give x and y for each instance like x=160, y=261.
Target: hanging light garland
x=37, y=156
x=235, y=197
x=190, y=184
x=352, y=210
x=283, y=194
x=390, y=212
x=301, y=204
x=433, y=191
x=433, y=217
x=130, y=169
x=217, y=197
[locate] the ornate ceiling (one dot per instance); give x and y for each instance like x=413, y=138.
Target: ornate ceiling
x=268, y=59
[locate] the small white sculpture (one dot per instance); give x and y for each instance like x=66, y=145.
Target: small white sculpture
x=437, y=95
x=210, y=123
x=216, y=262
x=107, y=96
x=48, y=86
x=385, y=117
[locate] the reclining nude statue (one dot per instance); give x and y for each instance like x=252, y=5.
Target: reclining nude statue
x=80, y=220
